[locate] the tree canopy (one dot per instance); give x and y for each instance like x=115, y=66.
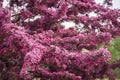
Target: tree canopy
x=33, y=43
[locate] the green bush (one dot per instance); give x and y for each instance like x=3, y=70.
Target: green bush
x=114, y=48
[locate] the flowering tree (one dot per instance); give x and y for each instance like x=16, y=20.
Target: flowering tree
x=42, y=48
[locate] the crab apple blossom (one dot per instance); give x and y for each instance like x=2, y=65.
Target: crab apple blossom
x=35, y=44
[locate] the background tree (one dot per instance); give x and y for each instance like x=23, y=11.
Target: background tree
x=33, y=43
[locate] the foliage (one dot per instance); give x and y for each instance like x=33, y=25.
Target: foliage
x=114, y=48
x=41, y=47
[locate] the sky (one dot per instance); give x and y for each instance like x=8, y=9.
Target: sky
x=116, y=4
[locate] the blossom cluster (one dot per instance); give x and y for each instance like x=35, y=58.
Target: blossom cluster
x=42, y=48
